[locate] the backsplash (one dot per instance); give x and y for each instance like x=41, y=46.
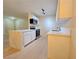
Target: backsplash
x=64, y=23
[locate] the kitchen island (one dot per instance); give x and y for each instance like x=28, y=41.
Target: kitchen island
x=20, y=38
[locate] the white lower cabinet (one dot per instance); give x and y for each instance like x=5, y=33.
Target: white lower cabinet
x=28, y=37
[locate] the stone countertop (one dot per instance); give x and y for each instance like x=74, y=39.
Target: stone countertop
x=23, y=30
x=63, y=31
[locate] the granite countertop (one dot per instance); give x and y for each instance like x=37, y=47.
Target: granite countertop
x=63, y=31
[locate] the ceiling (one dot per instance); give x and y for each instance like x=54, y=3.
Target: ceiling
x=22, y=7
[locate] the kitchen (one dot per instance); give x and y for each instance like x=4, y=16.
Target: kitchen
x=46, y=29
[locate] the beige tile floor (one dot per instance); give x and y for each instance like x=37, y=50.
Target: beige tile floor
x=36, y=50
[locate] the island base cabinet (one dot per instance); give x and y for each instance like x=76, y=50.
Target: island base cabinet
x=58, y=47
x=20, y=39
x=15, y=40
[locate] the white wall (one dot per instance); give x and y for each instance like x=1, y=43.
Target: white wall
x=64, y=23
x=46, y=24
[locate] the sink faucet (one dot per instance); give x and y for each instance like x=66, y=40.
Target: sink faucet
x=58, y=28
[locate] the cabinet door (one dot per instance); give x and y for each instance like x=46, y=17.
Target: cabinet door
x=65, y=9
x=58, y=47
x=27, y=38
x=33, y=36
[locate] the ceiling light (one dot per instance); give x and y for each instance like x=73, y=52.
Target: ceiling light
x=43, y=11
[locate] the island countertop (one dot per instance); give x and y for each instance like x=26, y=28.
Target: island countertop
x=26, y=30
